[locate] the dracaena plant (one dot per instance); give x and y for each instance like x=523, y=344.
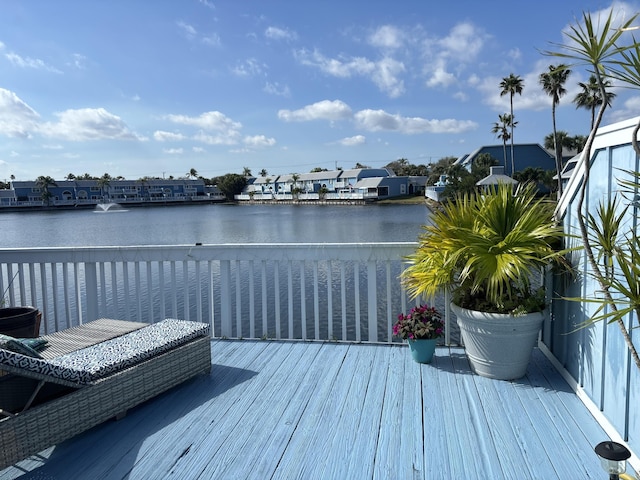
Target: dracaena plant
x=486, y=247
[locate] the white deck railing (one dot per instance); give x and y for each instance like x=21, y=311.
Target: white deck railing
x=343, y=292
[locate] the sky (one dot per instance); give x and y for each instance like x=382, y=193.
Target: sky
x=137, y=88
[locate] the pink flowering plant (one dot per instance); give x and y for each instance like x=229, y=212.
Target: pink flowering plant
x=422, y=322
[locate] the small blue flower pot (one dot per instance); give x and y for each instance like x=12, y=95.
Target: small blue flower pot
x=422, y=350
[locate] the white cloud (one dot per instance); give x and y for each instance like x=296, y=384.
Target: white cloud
x=630, y=109
x=277, y=89
x=387, y=37
x=324, y=110
x=173, y=151
x=464, y=42
x=17, y=119
x=353, y=141
x=208, y=121
x=198, y=149
x=259, y=141
x=379, y=120
x=383, y=73
x=275, y=33
x=248, y=68
x=88, y=124
x=162, y=136
x=212, y=39
x=448, y=56
x=439, y=75
x=78, y=61
x=230, y=138
x=26, y=62
x=189, y=30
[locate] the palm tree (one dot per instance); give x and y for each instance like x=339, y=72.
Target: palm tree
x=263, y=173
x=553, y=84
x=511, y=85
x=246, y=172
x=501, y=127
x=193, y=173
x=103, y=182
x=44, y=183
x=591, y=97
x=294, y=180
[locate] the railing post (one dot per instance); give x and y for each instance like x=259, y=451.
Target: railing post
x=225, y=298
x=372, y=308
x=91, y=286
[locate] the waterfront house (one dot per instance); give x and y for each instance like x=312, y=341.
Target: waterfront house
x=530, y=155
x=88, y=193
x=353, y=184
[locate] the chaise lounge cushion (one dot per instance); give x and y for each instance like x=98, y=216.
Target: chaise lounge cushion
x=89, y=364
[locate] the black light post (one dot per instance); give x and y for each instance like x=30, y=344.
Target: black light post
x=613, y=458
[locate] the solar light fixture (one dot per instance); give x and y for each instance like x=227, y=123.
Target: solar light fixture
x=613, y=458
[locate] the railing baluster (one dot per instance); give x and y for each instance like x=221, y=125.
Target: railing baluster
x=174, y=291
x=137, y=276
x=161, y=289
x=316, y=301
x=329, y=300
x=389, y=304
x=372, y=301
x=237, y=267
x=265, y=317
x=185, y=289
x=356, y=295
x=343, y=300
x=225, y=298
x=290, y=297
x=198, y=294
x=91, y=289
x=78, y=295
x=252, y=306
x=303, y=302
x=276, y=283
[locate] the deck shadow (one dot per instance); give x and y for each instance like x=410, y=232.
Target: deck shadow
x=146, y=420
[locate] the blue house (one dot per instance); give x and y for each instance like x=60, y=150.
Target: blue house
x=78, y=193
x=525, y=155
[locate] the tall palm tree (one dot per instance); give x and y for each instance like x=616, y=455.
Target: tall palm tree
x=192, y=173
x=246, y=172
x=263, y=173
x=45, y=183
x=591, y=97
x=511, y=85
x=103, y=182
x=553, y=84
x=501, y=128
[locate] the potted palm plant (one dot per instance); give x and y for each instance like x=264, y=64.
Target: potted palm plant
x=487, y=248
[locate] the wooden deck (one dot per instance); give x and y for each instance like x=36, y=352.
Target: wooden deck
x=300, y=410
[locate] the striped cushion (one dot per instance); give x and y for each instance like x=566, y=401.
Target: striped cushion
x=97, y=361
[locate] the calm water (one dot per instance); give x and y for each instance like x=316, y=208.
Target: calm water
x=209, y=224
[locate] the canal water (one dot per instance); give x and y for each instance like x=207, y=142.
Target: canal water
x=211, y=224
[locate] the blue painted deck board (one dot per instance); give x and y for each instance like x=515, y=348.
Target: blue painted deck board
x=281, y=410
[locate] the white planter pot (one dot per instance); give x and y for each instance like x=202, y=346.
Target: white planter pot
x=498, y=345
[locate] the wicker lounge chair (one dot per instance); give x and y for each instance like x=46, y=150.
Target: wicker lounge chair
x=89, y=374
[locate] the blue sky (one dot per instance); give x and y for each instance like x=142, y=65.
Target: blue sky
x=140, y=88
